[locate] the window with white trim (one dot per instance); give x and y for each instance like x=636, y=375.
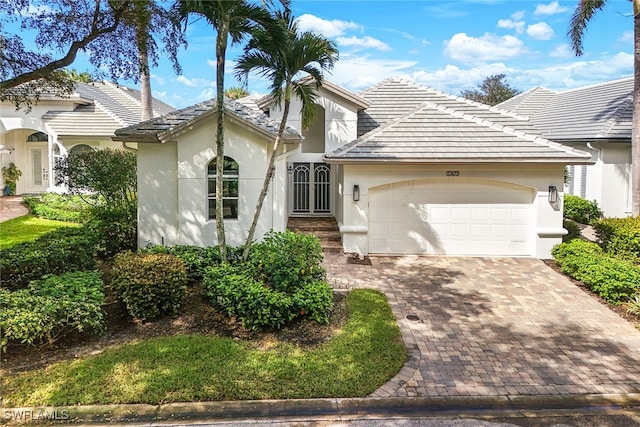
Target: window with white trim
x=230, y=195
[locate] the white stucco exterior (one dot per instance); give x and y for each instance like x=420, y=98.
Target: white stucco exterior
x=172, y=188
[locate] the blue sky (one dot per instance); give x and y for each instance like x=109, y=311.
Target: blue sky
x=447, y=45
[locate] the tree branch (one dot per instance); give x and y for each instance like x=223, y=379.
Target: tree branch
x=71, y=53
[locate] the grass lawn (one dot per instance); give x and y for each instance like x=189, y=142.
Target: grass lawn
x=363, y=356
x=26, y=228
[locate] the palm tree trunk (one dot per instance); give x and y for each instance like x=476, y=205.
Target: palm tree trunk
x=635, y=133
x=221, y=50
x=268, y=177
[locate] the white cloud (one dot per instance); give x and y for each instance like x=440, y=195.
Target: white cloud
x=330, y=29
x=158, y=79
x=626, y=37
x=561, y=51
x=357, y=72
x=488, y=47
x=206, y=94
x=552, y=8
x=425, y=42
x=518, y=16
x=195, y=82
x=512, y=25
x=362, y=42
x=540, y=31
x=453, y=80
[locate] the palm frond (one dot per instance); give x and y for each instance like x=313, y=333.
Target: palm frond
x=581, y=17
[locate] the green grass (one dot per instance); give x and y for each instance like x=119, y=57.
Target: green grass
x=362, y=357
x=27, y=228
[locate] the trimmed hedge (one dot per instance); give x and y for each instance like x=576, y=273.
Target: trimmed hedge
x=60, y=251
x=51, y=307
x=282, y=280
x=150, y=285
x=620, y=237
x=613, y=279
x=581, y=210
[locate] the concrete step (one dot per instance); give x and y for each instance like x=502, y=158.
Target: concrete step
x=324, y=228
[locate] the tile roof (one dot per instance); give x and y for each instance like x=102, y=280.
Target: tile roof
x=600, y=111
x=163, y=128
x=409, y=122
x=105, y=108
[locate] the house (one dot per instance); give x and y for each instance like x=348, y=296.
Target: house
x=403, y=168
x=58, y=125
x=596, y=119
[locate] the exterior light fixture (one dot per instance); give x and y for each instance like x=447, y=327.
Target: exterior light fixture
x=553, y=194
x=290, y=168
x=356, y=193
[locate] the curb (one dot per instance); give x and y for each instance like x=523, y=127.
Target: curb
x=337, y=408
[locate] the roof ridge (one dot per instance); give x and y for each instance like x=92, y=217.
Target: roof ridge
x=117, y=87
x=609, y=124
x=469, y=101
x=510, y=130
x=575, y=89
x=109, y=112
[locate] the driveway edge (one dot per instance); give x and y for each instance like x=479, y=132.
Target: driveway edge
x=346, y=408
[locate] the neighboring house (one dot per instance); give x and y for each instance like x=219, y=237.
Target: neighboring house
x=404, y=169
x=58, y=125
x=596, y=119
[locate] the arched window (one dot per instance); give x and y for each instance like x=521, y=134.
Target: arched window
x=38, y=137
x=230, y=179
x=80, y=148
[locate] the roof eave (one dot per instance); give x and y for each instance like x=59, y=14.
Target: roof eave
x=476, y=160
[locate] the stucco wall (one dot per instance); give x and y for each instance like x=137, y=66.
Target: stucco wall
x=546, y=228
x=173, y=188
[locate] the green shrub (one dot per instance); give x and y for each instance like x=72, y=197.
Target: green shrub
x=613, y=279
x=60, y=251
x=283, y=280
x=149, y=284
x=60, y=207
x=116, y=229
x=581, y=210
x=573, y=230
x=287, y=260
x=51, y=307
x=247, y=299
x=620, y=237
x=195, y=258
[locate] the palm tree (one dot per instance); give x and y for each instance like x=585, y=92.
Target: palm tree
x=281, y=62
x=236, y=19
x=582, y=15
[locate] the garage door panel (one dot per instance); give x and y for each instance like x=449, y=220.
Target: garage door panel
x=449, y=218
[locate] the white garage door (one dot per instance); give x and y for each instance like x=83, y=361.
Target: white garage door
x=452, y=217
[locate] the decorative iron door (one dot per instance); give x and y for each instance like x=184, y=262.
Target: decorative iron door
x=311, y=189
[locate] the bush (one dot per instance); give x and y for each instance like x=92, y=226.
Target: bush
x=620, y=237
x=613, y=279
x=60, y=207
x=60, y=251
x=573, y=230
x=282, y=280
x=116, y=229
x=581, y=210
x=287, y=260
x=51, y=307
x=195, y=258
x=149, y=284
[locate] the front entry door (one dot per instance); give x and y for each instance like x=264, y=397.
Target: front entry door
x=311, y=189
x=38, y=174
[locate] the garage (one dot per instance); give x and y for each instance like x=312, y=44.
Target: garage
x=452, y=216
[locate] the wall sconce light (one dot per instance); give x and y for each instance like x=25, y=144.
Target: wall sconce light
x=553, y=194
x=356, y=193
x=290, y=168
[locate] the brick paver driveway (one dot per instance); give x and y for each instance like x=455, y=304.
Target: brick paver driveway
x=496, y=327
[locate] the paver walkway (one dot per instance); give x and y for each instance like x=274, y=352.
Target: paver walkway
x=496, y=327
x=11, y=207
